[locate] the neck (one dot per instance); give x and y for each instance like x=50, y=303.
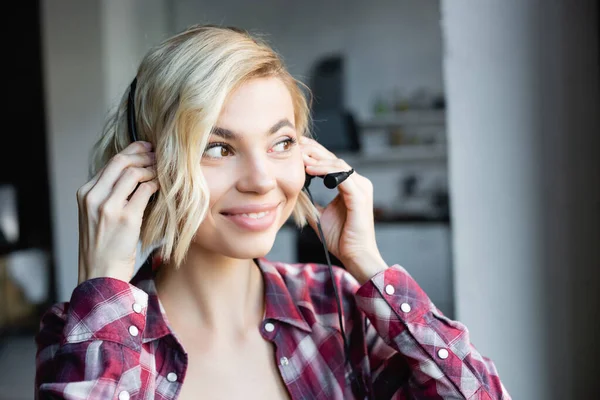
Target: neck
x=219, y=295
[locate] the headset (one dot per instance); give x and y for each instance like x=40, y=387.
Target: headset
x=331, y=181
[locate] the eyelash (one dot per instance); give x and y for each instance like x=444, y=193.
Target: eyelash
x=292, y=142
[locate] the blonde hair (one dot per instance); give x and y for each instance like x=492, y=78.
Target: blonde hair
x=182, y=86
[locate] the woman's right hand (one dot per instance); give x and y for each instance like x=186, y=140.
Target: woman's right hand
x=110, y=216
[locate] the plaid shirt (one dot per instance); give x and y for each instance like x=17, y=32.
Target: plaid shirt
x=112, y=341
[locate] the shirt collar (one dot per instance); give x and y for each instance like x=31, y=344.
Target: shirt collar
x=279, y=304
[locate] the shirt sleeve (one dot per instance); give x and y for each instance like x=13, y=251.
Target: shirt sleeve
x=90, y=346
x=409, y=340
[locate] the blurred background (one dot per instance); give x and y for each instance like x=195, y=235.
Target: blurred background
x=478, y=123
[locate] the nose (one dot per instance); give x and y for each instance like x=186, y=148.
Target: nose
x=257, y=175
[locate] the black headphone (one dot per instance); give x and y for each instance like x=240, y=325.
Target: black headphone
x=331, y=181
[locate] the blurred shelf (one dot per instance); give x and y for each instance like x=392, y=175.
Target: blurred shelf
x=405, y=118
x=408, y=153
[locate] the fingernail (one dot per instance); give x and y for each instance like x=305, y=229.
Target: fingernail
x=148, y=145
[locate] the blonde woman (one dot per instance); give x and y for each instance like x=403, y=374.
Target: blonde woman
x=220, y=165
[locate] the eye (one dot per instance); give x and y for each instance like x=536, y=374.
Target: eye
x=283, y=146
x=218, y=150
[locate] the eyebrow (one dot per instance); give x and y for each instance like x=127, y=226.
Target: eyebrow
x=230, y=135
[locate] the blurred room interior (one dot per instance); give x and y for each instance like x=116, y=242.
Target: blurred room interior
x=477, y=122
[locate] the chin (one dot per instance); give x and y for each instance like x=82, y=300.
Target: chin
x=240, y=242
x=247, y=245
x=250, y=247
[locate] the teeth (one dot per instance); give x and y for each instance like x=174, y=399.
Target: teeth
x=256, y=215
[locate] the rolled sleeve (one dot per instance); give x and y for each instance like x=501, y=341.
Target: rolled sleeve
x=437, y=349
x=107, y=309
x=393, y=289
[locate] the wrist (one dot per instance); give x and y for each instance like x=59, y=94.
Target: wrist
x=120, y=273
x=365, y=266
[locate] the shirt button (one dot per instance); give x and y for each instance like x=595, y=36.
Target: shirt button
x=389, y=289
x=405, y=307
x=284, y=361
x=137, y=308
x=443, y=354
x=133, y=330
x=171, y=376
x=269, y=327
x=124, y=395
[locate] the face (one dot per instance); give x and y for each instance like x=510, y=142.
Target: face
x=254, y=170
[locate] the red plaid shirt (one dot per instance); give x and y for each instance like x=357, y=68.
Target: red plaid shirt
x=111, y=341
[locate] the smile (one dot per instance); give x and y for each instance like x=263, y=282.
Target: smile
x=255, y=215
x=252, y=218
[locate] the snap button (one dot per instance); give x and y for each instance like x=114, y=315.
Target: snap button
x=269, y=327
x=137, y=308
x=172, y=377
x=389, y=289
x=405, y=307
x=124, y=395
x=443, y=354
x=284, y=361
x=133, y=330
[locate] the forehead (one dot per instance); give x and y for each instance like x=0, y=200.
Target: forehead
x=256, y=105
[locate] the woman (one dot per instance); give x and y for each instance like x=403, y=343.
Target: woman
x=221, y=163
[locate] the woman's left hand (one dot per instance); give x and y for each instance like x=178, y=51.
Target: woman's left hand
x=347, y=221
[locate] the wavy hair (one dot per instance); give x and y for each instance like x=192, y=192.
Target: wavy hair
x=182, y=86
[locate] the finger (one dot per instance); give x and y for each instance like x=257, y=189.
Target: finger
x=315, y=150
x=128, y=182
x=308, y=160
x=138, y=202
x=137, y=147
x=115, y=168
x=324, y=167
x=133, y=148
x=318, y=153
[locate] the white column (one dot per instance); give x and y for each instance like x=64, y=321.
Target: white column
x=129, y=28
x=522, y=83
x=91, y=49
x=74, y=88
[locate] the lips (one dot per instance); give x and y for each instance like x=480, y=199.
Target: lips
x=250, y=209
x=250, y=217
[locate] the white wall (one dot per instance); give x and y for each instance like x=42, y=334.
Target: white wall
x=388, y=43
x=129, y=28
x=74, y=85
x=523, y=98
x=91, y=50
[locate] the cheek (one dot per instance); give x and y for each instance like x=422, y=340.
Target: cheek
x=217, y=185
x=216, y=189
x=292, y=178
